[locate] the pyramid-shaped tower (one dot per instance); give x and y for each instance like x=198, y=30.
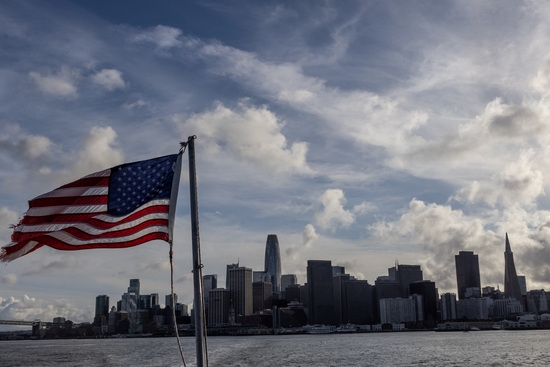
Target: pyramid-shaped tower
x=511, y=282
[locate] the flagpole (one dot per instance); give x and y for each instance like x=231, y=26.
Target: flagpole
x=198, y=307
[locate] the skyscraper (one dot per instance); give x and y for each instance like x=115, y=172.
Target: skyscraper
x=467, y=274
x=102, y=305
x=320, y=292
x=240, y=289
x=273, y=261
x=511, y=283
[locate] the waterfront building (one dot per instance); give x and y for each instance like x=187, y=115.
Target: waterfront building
x=512, y=288
x=358, y=302
x=102, y=305
x=537, y=302
x=220, y=303
x=428, y=291
x=320, y=292
x=467, y=275
x=273, y=262
x=397, y=310
x=448, y=307
x=338, y=281
x=473, y=309
x=507, y=306
x=240, y=289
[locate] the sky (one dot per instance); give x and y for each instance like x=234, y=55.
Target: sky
x=362, y=132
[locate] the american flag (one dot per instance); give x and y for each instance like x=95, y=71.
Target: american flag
x=122, y=206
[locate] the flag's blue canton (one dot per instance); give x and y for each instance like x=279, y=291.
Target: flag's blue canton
x=133, y=184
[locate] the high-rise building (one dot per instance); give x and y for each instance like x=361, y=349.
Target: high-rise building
x=209, y=282
x=428, y=291
x=168, y=300
x=338, y=281
x=512, y=287
x=262, y=296
x=240, y=289
x=467, y=275
x=273, y=261
x=218, y=311
x=134, y=286
x=320, y=292
x=102, y=305
x=358, y=302
x=448, y=307
x=288, y=279
x=407, y=274
x=229, y=267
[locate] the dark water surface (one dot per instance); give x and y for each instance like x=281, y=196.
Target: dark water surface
x=481, y=348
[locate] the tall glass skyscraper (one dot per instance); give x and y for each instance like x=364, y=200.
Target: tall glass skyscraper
x=467, y=274
x=273, y=261
x=320, y=292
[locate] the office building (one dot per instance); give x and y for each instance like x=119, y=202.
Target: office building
x=397, y=310
x=209, y=282
x=428, y=291
x=102, y=305
x=467, y=275
x=320, y=292
x=262, y=296
x=240, y=289
x=288, y=279
x=273, y=262
x=448, y=307
x=358, y=302
x=218, y=310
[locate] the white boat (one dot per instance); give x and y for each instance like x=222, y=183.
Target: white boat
x=319, y=329
x=348, y=328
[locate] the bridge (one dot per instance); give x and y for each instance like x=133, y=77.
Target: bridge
x=25, y=323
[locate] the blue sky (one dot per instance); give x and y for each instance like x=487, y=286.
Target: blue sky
x=361, y=132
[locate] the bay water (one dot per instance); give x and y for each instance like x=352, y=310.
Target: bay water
x=479, y=348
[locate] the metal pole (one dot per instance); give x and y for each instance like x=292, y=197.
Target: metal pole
x=198, y=307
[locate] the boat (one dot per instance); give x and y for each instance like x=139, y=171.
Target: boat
x=319, y=329
x=346, y=329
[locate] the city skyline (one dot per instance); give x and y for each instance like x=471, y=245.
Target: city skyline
x=362, y=132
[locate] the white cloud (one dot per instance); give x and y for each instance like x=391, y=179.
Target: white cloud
x=29, y=308
x=253, y=134
x=162, y=36
x=98, y=152
x=62, y=84
x=110, y=79
x=309, y=235
x=333, y=214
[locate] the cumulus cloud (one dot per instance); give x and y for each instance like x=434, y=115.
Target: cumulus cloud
x=441, y=233
x=110, y=79
x=99, y=151
x=520, y=183
x=29, y=308
x=309, y=235
x=333, y=214
x=253, y=134
x=61, y=84
x=162, y=36
x=29, y=147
